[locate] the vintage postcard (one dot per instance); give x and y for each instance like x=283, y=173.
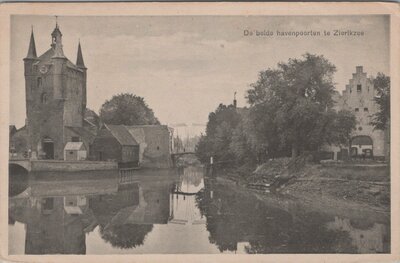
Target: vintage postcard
x=199, y=131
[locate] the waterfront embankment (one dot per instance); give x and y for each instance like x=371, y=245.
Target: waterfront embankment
x=346, y=185
x=63, y=166
x=359, y=187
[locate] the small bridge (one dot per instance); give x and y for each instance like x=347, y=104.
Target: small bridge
x=25, y=163
x=177, y=190
x=176, y=156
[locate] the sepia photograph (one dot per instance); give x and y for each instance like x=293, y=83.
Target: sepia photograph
x=199, y=134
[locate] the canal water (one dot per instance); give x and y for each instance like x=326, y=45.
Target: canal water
x=176, y=211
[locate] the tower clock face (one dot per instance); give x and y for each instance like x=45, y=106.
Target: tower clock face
x=43, y=69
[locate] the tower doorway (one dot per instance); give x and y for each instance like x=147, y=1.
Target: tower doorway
x=48, y=148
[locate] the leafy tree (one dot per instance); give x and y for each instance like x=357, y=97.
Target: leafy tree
x=127, y=109
x=291, y=110
x=240, y=144
x=219, y=131
x=263, y=133
x=204, y=149
x=126, y=236
x=296, y=100
x=339, y=127
x=381, y=119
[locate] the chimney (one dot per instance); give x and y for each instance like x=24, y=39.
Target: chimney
x=359, y=69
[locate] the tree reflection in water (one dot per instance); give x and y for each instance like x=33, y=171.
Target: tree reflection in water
x=125, y=236
x=234, y=217
x=58, y=214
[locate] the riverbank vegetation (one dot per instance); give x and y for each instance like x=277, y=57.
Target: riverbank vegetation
x=381, y=120
x=278, y=139
x=291, y=111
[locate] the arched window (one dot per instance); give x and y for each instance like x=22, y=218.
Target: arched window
x=43, y=97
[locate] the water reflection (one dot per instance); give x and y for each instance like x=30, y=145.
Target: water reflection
x=367, y=238
x=179, y=212
x=184, y=208
x=277, y=226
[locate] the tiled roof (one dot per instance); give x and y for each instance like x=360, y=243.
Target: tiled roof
x=121, y=133
x=46, y=56
x=74, y=146
x=84, y=133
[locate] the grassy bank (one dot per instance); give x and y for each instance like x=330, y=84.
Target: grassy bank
x=363, y=185
x=353, y=184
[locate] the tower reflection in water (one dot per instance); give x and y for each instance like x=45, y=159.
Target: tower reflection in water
x=58, y=214
x=100, y=213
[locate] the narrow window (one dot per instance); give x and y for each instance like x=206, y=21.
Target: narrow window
x=43, y=97
x=359, y=88
x=366, y=109
x=356, y=109
x=39, y=82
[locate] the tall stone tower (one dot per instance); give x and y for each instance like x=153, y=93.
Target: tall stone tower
x=55, y=91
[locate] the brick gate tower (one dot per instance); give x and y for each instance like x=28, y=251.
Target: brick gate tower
x=55, y=91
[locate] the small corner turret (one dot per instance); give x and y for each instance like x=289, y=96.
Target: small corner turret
x=32, y=48
x=79, y=58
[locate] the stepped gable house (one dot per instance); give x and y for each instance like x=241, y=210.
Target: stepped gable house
x=358, y=97
x=55, y=91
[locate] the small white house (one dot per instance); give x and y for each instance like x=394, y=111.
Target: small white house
x=73, y=205
x=75, y=151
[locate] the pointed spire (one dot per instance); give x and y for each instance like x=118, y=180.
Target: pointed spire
x=79, y=58
x=32, y=47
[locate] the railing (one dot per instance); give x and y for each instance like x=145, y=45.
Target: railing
x=126, y=175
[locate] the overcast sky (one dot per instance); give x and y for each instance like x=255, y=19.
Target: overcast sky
x=185, y=66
